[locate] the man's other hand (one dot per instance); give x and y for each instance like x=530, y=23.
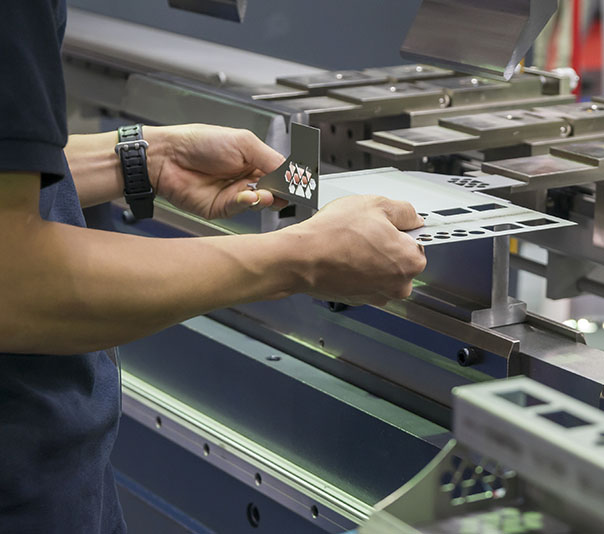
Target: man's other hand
x=358, y=252
x=206, y=169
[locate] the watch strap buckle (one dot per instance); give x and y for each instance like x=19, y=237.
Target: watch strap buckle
x=131, y=145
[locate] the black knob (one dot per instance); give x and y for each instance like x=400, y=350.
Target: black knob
x=337, y=306
x=128, y=217
x=468, y=356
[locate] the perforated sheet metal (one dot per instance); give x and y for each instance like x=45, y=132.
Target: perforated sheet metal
x=451, y=213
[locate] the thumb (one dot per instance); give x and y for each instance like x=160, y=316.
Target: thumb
x=262, y=156
x=402, y=214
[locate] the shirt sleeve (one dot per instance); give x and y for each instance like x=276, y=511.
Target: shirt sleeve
x=33, y=128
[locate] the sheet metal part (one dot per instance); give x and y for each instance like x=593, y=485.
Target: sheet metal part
x=520, y=447
x=490, y=37
x=479, y=182
x=539, y=423
x=452, y=214
x=297, y=179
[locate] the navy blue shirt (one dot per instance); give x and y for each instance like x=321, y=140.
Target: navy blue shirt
x=58, y=414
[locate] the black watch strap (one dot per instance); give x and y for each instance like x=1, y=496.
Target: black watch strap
x=132, y=150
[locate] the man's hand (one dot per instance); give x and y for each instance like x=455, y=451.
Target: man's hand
x=206, y=169
x=358, y=252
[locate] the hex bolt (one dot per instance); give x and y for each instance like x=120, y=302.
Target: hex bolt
x=468, y=356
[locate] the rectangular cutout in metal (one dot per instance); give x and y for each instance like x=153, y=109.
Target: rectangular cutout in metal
x=565, y=419
x=521, y=398
x=537, y=222
x=486, y=207
x=502, y=227
x=452, y=211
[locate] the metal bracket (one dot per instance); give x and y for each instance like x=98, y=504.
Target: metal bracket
x=512, y=437
x=297, y=180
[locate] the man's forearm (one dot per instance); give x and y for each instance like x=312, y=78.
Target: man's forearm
x=70, y=290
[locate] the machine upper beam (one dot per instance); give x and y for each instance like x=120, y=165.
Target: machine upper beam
x=490, y=37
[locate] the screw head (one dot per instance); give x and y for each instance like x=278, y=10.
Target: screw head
x=468, y=356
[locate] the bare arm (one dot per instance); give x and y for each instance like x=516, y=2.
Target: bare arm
x=95, y=167
x=67, y=290
x=201, y=168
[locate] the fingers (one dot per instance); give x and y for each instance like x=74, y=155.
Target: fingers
x=401, y=214
x=258, y=200
x=255, y=200
x=414, y=256
x=259, y=154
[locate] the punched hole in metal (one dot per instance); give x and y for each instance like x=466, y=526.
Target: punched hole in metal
x=537, y=222
x=521, y=398
x=452, y=211
x=487, y=207
x=565, y=419
x=502, y=227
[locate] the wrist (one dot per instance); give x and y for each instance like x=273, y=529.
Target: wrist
x=297, y=258
x=158, y=151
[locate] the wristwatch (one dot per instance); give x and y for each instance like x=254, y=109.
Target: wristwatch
x=132, y=150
